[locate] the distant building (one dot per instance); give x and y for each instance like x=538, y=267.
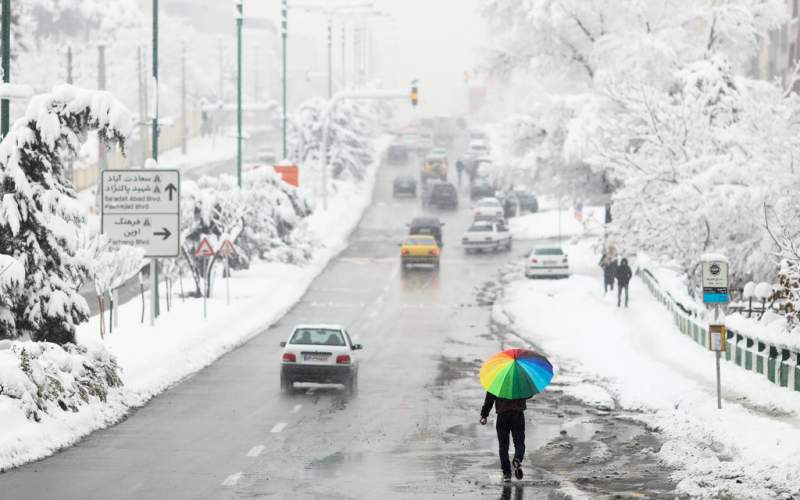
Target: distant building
x=780, y=52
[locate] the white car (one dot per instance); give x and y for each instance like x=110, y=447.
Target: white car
x=322, y=354
x=478, y=147
x=488, y=206
x=547, y=262
x=487, y=235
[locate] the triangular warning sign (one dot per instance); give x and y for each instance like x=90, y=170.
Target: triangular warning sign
x=157, y=178
x=204, y=249
x=227, y=249
x=156, y=189
x=147, y=222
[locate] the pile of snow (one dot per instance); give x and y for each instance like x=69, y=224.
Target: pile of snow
x=552, y=223
x=742, y=451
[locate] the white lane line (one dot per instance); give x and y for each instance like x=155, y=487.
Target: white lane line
x=279, y=427
x=255, y=451
x=232, y=479
x=296, y=408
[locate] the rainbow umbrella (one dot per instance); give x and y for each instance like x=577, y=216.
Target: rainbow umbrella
x=516, y=374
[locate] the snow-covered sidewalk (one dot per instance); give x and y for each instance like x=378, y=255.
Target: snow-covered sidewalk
x=182, y=342
x=748, y=449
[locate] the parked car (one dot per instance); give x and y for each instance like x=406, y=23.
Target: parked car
x=322, y=354
x=486, y=235
x=488, y=206
x=419, y=249
x=404, y=185
x=430, y=226
x=440, y=195
x=547, y=262
x=480, y=189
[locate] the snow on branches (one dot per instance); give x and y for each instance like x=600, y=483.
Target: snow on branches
x=39, y=216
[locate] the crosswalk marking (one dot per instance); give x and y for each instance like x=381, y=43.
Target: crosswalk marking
x=255, y=451
x=278, y=427
x=232, y=479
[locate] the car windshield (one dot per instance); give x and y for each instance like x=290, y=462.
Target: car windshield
x=548, y=251
x=318, y=336
x=488, y=203
x=480, y=227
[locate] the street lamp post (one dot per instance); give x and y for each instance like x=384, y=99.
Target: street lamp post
x=284, y=33
x=330, y=57
x=154, y=306
x=239, y=22
x=5, y=104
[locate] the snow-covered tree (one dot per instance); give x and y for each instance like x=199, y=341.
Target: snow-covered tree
x=40, y=217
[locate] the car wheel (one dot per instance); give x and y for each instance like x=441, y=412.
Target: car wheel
x=352, y=385
x=286, y=384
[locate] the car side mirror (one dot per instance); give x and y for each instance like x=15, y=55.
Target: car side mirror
x=283, y=344
x=357, y=347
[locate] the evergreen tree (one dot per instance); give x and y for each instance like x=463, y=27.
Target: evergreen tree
x=39, y=214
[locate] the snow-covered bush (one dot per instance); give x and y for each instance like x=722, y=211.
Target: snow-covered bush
x=260, y=219
x=45, y=378
x=40, y=218
x=352, y=126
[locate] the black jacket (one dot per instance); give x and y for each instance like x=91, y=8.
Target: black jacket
x=624, y=273
x=501, y=405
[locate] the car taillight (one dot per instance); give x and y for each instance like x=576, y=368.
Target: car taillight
x=289, y=357
x=434, y=252
x=534, y=261
x=343, y=359
x=488, y=238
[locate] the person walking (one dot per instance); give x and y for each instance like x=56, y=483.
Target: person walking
x=623, y=274
x=510, y=420
x=609, y=265
x=459, y=170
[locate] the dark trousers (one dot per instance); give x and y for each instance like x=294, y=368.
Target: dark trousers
x=512, y=422
x=620, y=287
x=609, y=284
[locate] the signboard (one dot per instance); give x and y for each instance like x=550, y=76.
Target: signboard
x=289, y=174
x=142, y=208
x=715, y=282
x=716, y=338
x=227, y=249
x=204, y=249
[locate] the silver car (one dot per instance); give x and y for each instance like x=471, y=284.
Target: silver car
x=547, y=262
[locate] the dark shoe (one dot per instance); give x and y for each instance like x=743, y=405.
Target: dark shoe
x=506, y=478
x=517, y=468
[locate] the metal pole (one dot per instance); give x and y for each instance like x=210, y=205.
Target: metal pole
x=227, y=281
x=344, y=55
x=239, y=15
x=323, y=157
x=156, y=308
x=153, y=288
x=356, y=42
x=330, y=57
x=183, y=98
x=102, y=157
x=718, y=355
x=256, y=74
x=69, y=64
x=284, y=34
x=142, y=101
x=6, y=28
x=221, y=71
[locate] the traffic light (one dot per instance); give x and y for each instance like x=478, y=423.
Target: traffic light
x=414, y=94
x=238, y=9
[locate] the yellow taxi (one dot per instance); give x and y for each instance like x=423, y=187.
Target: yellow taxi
x=420, y=249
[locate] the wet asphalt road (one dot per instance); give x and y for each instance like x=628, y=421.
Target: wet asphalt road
x=411, y=432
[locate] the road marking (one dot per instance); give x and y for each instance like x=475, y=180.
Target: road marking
x=278, y=427
x=232, y=479
x=255, y=451
x=373, y=314
x=296, y=408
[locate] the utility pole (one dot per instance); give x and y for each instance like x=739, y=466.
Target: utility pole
x=6, y=28
x=256, y=74
x=356, y=43
x=143, y=106
x=284, y=34
x=344, y=55
x=102, y=154
x=221, y=71
x=69, y=65
x=330, y=57
x=239, y=21
x=183, y=98
x=154, y=307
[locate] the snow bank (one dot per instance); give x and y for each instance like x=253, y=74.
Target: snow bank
x=546, y=224
x=152, y=359
x=746, y=450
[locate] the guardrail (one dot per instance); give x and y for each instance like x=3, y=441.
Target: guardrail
x=776, y=363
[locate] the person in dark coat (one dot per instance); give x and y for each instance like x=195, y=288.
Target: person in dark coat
x=459, y=170
x=623, y=279
x=609, y=265
x=510, y=419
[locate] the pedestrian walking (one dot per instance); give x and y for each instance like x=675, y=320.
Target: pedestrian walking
x=459, y=170
x=609, y=265
x=623, y=279
x=510, y=420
